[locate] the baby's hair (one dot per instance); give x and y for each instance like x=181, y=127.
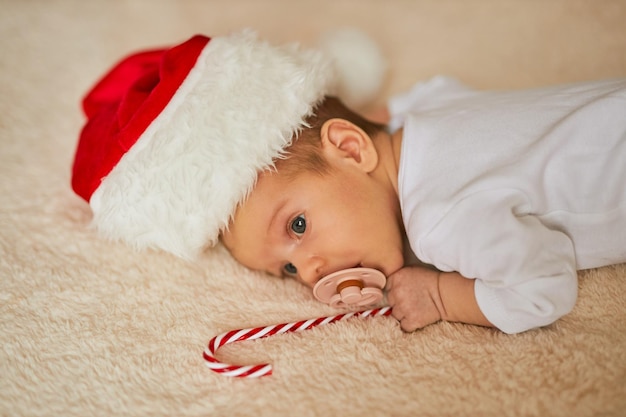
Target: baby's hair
x=305, y=154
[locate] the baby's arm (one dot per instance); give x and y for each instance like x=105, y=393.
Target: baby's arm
x=421, y=296
x=525, y=272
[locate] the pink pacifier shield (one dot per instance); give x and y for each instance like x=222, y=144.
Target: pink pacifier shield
x=351, y=287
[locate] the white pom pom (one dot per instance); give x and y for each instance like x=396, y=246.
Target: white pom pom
x=359, y=65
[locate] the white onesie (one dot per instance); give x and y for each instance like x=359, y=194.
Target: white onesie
x=516, y=189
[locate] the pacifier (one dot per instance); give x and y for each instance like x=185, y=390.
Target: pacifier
x=354, y=287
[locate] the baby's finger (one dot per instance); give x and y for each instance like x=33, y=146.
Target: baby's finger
x=394, y=298
x=389, y=284
x=408, y=325
x=397, y=312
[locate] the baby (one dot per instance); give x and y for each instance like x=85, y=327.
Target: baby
x=508, y=194
x=501, y=196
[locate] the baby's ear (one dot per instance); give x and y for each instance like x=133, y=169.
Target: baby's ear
x=343, y=141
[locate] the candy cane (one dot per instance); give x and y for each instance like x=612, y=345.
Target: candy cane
x=255, y=371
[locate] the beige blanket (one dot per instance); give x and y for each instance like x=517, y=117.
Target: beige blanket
x=91, y=328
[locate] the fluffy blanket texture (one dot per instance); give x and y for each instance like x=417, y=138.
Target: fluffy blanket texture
x=89, y=327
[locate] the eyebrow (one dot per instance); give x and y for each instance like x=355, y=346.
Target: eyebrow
x=270, y=226
x=275, y=215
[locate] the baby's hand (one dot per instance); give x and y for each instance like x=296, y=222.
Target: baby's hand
x=413, y=292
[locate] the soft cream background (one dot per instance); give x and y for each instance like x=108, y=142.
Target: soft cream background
x=90, y=328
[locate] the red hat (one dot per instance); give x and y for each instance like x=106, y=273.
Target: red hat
x=175, y=138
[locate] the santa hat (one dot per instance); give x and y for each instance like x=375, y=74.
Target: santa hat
x=175, y=138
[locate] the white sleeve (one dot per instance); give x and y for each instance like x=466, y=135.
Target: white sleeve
x=420, y=97
x=525, y=272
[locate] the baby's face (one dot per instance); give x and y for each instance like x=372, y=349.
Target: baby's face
x=314, y=225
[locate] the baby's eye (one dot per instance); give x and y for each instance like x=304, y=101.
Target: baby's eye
x=290, y=269
x=298, y=225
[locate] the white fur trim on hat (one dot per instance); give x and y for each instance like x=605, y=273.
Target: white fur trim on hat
x=236, y=111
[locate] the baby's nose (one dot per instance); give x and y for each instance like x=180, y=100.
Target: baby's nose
x=310, y=269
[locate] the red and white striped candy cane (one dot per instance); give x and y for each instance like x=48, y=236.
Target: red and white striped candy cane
x=255, y=371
